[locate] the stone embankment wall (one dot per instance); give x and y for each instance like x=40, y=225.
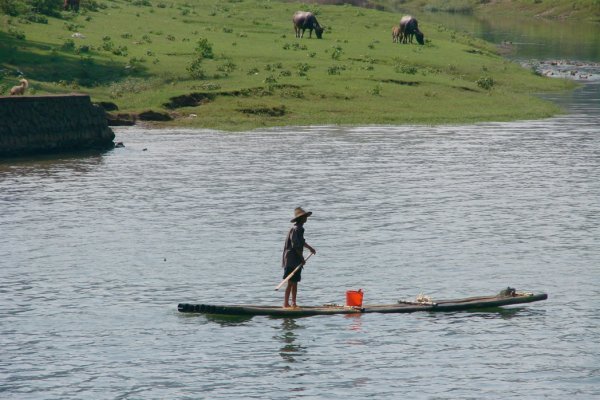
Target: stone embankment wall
x=47, y=124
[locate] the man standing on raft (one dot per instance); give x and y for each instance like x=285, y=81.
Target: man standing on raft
x=292, y=254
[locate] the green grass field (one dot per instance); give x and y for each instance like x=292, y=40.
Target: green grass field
x=138, y=54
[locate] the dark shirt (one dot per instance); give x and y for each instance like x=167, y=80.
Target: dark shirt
x=294, y=244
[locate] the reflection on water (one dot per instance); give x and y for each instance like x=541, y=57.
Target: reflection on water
x=498, y=312
x=356, y=321
x=227, y=320
x=72, y=160
x=288, y=336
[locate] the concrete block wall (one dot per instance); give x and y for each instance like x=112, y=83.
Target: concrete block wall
x=55, y=123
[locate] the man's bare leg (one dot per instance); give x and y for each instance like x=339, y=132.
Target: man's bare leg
x=288, y=290
x=294, y=292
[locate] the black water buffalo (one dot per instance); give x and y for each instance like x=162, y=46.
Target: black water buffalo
x=409, y=27
x=306, y=20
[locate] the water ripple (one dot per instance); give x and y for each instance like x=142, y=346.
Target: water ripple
x=97, y=251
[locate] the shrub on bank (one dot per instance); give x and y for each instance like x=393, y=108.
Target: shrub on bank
x=486, y=83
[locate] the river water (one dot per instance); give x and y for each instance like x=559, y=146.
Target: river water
x=97, y=250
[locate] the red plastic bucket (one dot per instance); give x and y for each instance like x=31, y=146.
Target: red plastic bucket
x=354, y=298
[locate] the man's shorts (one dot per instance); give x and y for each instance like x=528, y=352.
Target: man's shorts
x=296, y=277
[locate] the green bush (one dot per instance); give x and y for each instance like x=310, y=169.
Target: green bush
x=46, y=7
x=130, y=85
x=401, y=68
x=292, y=93
x=337, y=52
x=13, y=7
x=37, y=18
x=93, y=5
x=204, y=48
x=298, y=46
x=210, y=86
x=141, y=3
x=71, y=27
x=273, y=67
x=68, y=45
x=376, y=90
x=120, y=51
x=486, y=83
x=17, y=34
x=195, y=69
x=107, y=44
x=228, y=67
x=270, y=80
x=335, y=70
x=302, y=69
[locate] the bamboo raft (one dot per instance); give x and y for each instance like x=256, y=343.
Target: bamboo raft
x=469, y=303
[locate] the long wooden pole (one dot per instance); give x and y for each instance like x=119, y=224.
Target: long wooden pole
x=287, y=278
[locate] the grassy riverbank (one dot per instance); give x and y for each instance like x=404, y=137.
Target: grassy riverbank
x=577, y=10
x=141, y=54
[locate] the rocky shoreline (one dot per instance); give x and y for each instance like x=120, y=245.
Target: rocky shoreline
x=569, y=69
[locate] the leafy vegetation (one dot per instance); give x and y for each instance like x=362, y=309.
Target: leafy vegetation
x=237, y=65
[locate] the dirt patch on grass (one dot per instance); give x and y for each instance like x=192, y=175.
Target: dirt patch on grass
x=466, y=89
x=199, y=98
x=108, y=106
x=151, y=115
x=189, y=100
x=265, y=111
x=249, y=92
x=121, y=119
x=398, y=82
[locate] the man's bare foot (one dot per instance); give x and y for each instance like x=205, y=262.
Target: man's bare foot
x=295, y=305
x=286, y=306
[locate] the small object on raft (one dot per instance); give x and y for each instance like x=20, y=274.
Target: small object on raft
x=424, y=299
x=468, y=303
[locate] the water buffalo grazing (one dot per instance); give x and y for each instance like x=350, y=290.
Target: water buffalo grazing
x=396, y=35
x=409, y=27
x=306, y=20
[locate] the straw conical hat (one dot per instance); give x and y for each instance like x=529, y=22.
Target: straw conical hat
x=299, y=212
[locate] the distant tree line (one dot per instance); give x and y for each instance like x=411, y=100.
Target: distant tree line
x=50, y=8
